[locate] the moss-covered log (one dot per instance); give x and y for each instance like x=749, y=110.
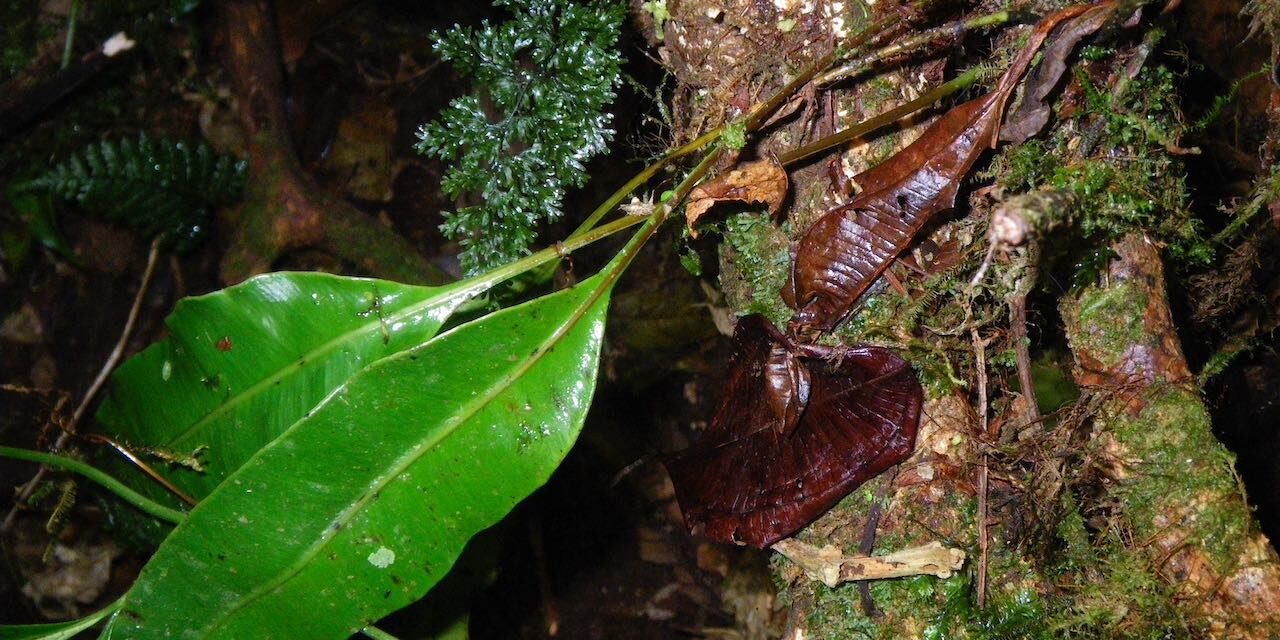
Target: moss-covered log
x=1171, y=485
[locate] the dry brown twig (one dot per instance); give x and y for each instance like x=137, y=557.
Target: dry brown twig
x=832, y=568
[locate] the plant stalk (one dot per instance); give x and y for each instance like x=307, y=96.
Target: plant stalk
x=109, y=483
x=889, y=117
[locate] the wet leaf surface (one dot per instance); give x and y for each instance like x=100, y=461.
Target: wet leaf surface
x=363, y=504
x=843, y=253
x=753, y=478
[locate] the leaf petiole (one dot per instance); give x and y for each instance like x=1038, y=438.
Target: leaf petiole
x=109, y=483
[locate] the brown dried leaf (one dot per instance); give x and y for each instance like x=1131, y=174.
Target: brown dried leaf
x=843, y=253
x=1033, y=113
x=759, y=182
x=750, y=480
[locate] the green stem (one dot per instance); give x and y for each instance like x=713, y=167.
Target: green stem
x=109, y=483
x=627, y=255
x=757, y=116
x=72, y=20
x=376, y=633
x=68, y=629
x=644, y=176
x=951, y=29
x=889, y=117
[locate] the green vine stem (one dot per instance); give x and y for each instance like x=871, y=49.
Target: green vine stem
x=889, y=117
x=109, y=483
x=951, y=29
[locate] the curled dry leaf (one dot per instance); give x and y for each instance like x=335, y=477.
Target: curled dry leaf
x=843, y=253
x=1033, y=113
x=759, y=182
x=752, y=479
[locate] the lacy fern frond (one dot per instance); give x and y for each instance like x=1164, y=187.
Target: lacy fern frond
x=156, y=186
x=541, y=82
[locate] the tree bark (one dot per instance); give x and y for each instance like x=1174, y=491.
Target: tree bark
x=283, y=208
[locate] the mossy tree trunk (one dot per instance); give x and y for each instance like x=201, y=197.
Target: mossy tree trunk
x=1116, y=513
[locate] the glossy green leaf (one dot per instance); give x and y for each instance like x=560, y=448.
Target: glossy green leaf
x=359, y=508
x=244, y=363
x=57, y=630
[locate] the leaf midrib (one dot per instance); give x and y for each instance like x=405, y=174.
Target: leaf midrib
x=257, y=388
x=468, y=410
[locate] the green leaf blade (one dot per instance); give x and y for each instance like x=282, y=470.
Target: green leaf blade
x=357, y=510
x=245, y=363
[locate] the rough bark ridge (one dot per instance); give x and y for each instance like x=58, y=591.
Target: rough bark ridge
x=1122, y=518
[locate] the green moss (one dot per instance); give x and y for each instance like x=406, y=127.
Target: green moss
x=1129, y=181
x=1106, y=588
x=1110, y=321
x=1077, y=548
x=1185, y=471
x=755, y=262
x=1055, y=388
x=1118, y=598
x=734, y=136
x=837, y=613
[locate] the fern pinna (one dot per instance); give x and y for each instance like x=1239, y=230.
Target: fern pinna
x=156, y=186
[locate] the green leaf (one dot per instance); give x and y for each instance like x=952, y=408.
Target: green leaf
x=57, y=630
x=358, y=509
x=245, y=363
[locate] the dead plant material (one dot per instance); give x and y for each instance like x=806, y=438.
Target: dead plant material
x=828, y=566
x=1033, y=113
x=797, y=430
x=801, y=426
x=844, y=252
x=759, y=182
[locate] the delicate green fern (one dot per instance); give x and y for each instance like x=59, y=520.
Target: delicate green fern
x=542, y=81
x=159, y=187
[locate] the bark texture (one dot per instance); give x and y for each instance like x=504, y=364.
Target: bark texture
x=283, y=208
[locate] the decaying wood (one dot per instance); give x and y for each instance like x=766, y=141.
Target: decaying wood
x=827, y=565
x=1174, y=482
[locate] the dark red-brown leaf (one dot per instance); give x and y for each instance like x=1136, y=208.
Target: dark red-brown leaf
x=843, y=253
x=750, y=480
